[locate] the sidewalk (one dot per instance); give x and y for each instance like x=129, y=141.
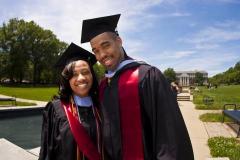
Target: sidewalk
x=199, y=131
x=38, y=103
x=10, y=151
x=196, y=130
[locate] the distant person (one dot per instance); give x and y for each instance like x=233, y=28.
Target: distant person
x=209, y=86
x=175, y=88
x=196, y=89
x=141, y=118
x=70, y=129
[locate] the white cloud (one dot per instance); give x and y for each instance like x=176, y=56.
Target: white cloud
x=179, y=14
x=180, y=54
x=206, y=46
x=212, y=49
x=209, y=61
x=220, y=1
x=214, y=36
x=228, y=1
x=64, y=17
x=134, y=48
x=228, y=24
x=170, y=55
x=174, y=14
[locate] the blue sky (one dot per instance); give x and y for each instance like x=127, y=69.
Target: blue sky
x=181, y=34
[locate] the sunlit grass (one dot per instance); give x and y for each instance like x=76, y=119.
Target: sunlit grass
x=33, y=93
x=18, y=103
x=213, y=117
x=221, y=95
x=224, y=147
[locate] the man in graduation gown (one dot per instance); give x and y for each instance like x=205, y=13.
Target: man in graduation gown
x=141, y=118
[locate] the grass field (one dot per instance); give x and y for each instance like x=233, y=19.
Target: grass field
x=18, y=103
x=214, y=117
x=221, y=96
x=224, y=147
x=33, y=93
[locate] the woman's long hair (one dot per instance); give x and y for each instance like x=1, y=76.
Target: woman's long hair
x=65, y=91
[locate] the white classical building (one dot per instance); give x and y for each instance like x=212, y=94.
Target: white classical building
x=187, y=78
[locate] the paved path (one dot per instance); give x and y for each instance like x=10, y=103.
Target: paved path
x=196, y=130
x=200, y=132
x=10, y=151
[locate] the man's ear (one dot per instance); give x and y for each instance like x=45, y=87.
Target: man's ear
x=119, y=41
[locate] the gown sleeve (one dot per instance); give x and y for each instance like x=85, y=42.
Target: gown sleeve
x=57, y=141
x=47, y=125
x=170, y=139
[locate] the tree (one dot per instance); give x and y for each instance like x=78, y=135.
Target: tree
x=3, y=65
x=12, y=44
x=231, y=76
x=44, y=49
x=31, y=51
x=199, y=79
x=99, y=71
x=170, y=75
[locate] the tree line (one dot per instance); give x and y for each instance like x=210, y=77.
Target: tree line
x=28, y=53
x=231, y=76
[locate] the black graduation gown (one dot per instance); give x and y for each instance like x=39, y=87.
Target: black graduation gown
x=57, y=141
x=165, y=136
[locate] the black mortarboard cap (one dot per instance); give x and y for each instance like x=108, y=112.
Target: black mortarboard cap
x=93, y=27
x=74, y=52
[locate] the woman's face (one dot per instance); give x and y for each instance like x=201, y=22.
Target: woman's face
x=82, y=79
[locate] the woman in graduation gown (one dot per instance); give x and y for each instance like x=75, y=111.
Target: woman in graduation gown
x=70, y=129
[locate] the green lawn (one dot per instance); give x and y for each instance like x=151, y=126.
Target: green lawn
x=33, y=93
x=221, y=96
x=18, y=103
x=224, y=147
x=213, y=117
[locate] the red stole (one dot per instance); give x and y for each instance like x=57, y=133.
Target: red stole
x=80, y=135
x=130, y=114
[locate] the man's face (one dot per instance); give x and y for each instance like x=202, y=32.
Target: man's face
x=107, y=49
